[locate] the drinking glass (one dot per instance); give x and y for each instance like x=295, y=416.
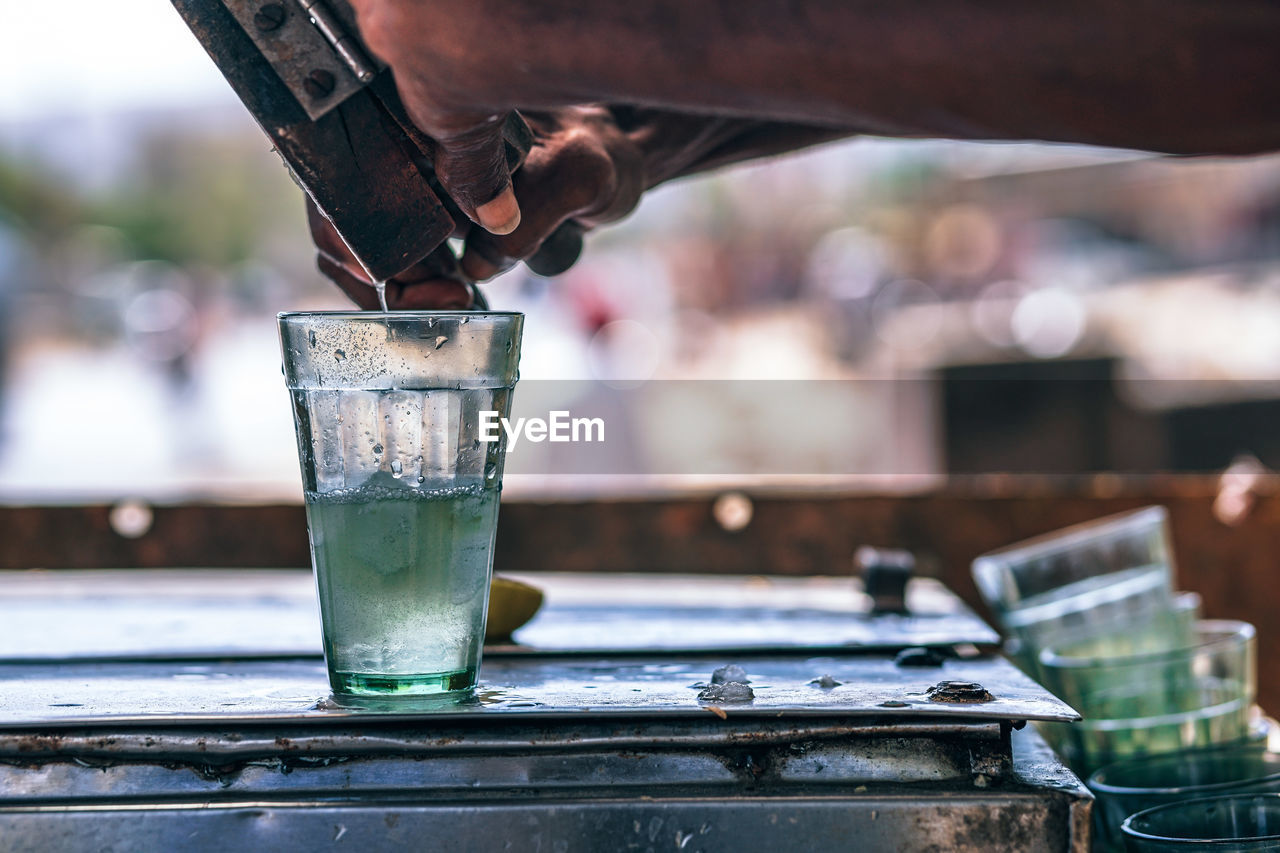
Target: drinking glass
x=401, y=486
x=1227, y=824
x=1128, y=787
x=1075, y=582
x=1194, y=695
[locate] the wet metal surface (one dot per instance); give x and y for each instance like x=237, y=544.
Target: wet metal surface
x=245, y=645
x=522, y=685
x=216, y=613
x=190, y=711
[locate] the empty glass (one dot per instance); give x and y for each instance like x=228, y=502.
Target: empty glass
x=1081, y=580
x=1150, y=703
x=1127, y=626
x=1131, y=786
x=401, y=488
x=1227, y=824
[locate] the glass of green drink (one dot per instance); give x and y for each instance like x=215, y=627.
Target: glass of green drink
x=401, y=481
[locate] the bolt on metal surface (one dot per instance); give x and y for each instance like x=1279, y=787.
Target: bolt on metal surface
x=959, y=691
x=319, y=83
x=270, y=17
x=919, y=656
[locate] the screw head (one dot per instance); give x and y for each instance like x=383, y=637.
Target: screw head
x=959, y=691
x=319, y=84
x=269, y=17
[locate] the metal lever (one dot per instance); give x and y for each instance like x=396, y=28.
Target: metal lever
x=885, y=573
x=335, y=118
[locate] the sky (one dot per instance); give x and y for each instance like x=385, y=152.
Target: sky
x=86, y=57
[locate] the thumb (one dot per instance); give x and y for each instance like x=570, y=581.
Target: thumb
x=472, y=167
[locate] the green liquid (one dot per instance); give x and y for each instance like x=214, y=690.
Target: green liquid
x=403, y=578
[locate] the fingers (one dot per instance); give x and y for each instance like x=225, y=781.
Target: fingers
x=337, y=263
x=424, y=294
x=472, y=167
x=434, y=283
x=567, y=177
x=469, y=158
x=357, y=289
x=558, y=252
x=327, y=239
x=436, y=295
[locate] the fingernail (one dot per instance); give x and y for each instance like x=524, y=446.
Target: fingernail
x=500, y=216
x=477, y=268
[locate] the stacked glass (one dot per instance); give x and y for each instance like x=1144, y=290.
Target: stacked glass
x=1132, y=786
x=1091, y=611
x=1102, y=577
x=1227, y=824
x=1152, y=701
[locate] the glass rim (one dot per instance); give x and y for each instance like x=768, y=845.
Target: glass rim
x=1233, y=750
x=1126, y=828
x=383, y=316
x=1226, y=634
x=1064, y=538
x=1117, y=725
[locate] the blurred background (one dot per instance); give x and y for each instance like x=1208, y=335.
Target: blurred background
x=148, y=236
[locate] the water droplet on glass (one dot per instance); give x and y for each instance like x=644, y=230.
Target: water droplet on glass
x=377, y=449
x=339, y=355
x=490, y=471
x=508, y=346
x=311, y=338
x=421, y=479
x=465, y=321
x=396, y=468
x=441, y=341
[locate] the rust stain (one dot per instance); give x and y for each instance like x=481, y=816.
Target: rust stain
x=40, y=743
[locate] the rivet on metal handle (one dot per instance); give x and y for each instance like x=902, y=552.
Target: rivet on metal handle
x=270, y=17
x=319, y=83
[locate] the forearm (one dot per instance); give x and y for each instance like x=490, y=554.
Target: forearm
x=675, y=145
x=1181, y=76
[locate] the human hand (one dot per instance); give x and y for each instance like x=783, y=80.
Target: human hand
x=582, y=170
x=434, y=283
x=438, y=52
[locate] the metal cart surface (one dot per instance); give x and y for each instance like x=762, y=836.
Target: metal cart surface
x=188, y=710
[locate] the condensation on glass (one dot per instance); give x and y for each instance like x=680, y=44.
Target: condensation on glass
x=401, y=488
